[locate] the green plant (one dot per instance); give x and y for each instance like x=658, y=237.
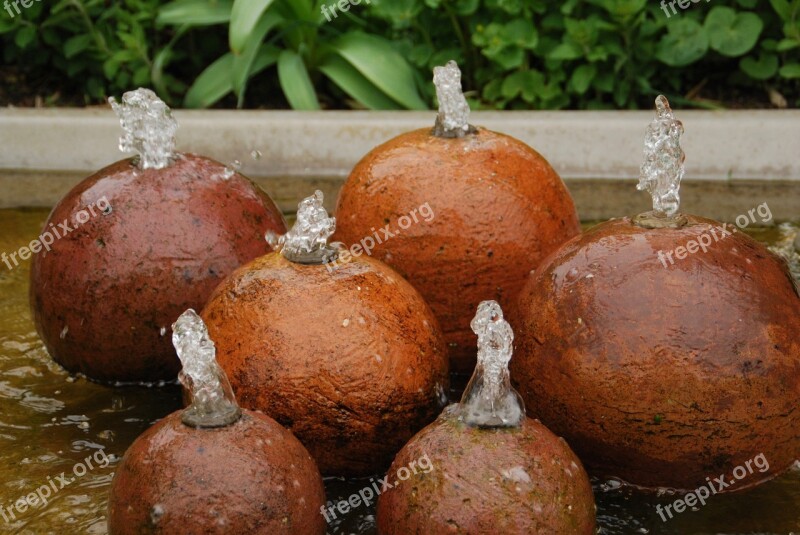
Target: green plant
x=778, y=58
x=294, y=36
x=108, y=47
x=598, y=54
x=514, y=54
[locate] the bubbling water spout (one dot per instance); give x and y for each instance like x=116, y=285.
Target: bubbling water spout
x=662, y=170
x=149, y=128
x=489, y=400
x=213, y=402
x=307, y=240
x=453, y=118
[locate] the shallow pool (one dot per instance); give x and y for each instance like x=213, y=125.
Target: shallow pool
x=51, y=422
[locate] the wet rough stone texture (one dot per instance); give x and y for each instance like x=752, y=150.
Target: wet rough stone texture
x=663, y=376
x=250, y=477
x=351, y=360
x=104, y=292
x=499, y=209
x=514, y=481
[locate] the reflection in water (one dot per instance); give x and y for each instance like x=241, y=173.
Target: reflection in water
x=50, y=421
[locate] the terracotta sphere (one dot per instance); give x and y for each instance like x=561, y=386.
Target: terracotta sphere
x=663, y=362
x=469, y=480
x=350, y=359
x=466, y=219
x=106, y=292
x=250, y=477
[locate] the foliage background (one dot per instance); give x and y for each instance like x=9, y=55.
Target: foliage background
x=514, y=54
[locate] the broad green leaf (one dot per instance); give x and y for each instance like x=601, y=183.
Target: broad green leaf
x=508, y=58
x=110, y=68
x=730, y=33
x=245, y=15
x=6, y=25
x=213, y=83
x=76, y=44
x=787, y=44
x=492, y=92
x=354, y=84
x=161, y=82
x=623, y=9
x=243, y=62
x=528, y=83
x=295, y=82
x=762, y=69
x=400, y=13
x=791, y=70
x=303, y=10
x=685, y=43
x=25, y=36
x=195, y=12
x=217, y=81
x=375, y=58
x=466, y=8
x=522, y=33
x=782, y=8
x=582, y=78
x=566, y=51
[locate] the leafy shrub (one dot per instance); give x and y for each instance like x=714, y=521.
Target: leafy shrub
x=293, y=36
x=96, y=47
x=515, y=54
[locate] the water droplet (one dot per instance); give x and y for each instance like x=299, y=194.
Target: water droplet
x=213, y=402
x=307, y=241
x=156, y=513
x=273, y=239
x=346, y=322
x=663, y=169
x=256, y=155
x=572, y=275
x=64, y=332
x=490, y=401
x=453, y=118
x=148, y=126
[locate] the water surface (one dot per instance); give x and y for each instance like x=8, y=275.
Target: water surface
x=51, y=421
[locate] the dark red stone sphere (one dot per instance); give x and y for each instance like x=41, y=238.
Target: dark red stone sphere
x=351, y=359
x=108, y=289
x=251, y=477
x=465, y=220
x=664, y=366
x=453, y=478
